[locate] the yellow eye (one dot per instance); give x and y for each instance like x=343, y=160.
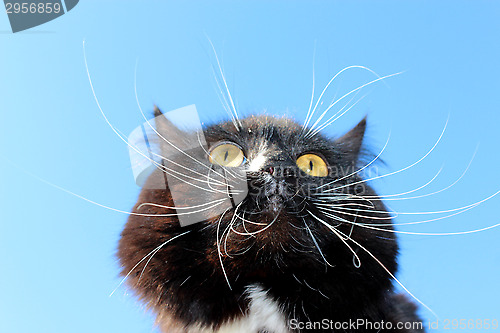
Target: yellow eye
x=227, y=155
x=313, y=165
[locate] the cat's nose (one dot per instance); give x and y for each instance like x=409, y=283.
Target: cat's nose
x=269, y=170
x=278, y=171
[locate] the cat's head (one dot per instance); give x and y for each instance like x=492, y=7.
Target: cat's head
x=269, y=200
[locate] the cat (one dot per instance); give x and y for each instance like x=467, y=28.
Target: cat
x=289, y=253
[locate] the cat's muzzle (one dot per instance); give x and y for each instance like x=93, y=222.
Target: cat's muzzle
x=267, y=192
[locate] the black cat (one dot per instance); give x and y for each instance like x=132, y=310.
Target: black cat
x=287, y=252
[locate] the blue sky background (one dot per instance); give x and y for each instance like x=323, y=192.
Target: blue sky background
x=57, y=251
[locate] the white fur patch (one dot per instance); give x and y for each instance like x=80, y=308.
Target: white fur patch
x=264, y=314
x=258, y=162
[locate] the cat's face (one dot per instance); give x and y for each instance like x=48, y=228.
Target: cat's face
x=302, y=195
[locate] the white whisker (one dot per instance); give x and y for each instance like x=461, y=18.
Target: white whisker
x=334, y=118
x=163, y=138
x=219, y=251
x=330, y=82
x=347, y=94
x=364, y=167
x=316, y=243
x=144, y=258
x=258, y=231
x=392, y=275
x=373, y=226
x=121, y=136
x=223, y=99
x=427, y=212
x=225, y=85
x=177, y=208
x=398, y=171
x=306, y=121
x=337, y=233
x=389, y=197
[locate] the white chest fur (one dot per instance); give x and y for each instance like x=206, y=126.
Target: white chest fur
x=264, y=314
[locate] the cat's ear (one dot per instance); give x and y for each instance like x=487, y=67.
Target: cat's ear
x=164, y=126
x=352, y=141
x=157, y=111
x=168, y=135
x=161, y=122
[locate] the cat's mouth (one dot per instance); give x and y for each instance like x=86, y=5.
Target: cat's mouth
x=275, y=204
x=267, y=194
